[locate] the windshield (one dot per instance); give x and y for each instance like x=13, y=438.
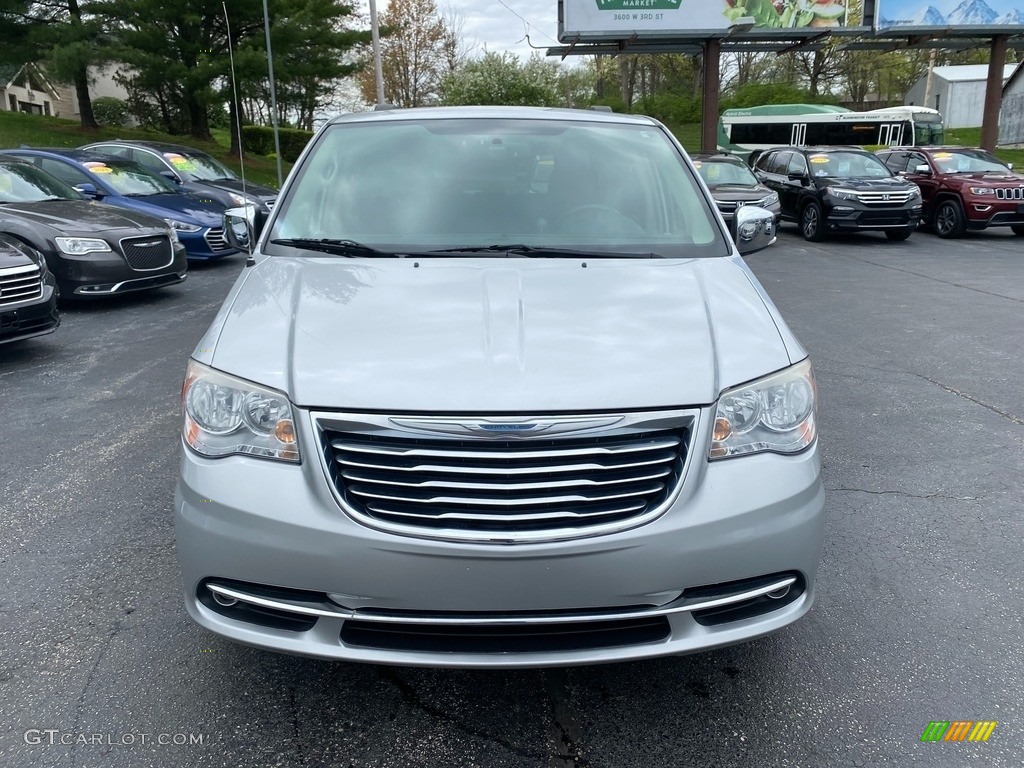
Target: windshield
x=927, y=134
x=24, y=183
x=968, y=161
x=847, y=165
x=428, y=185
x=716, y=173
x=130, y=179
x=199, y=165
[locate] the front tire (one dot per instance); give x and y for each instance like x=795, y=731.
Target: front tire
x=949, y=219
x=1018, y=230
x=899, y=234
x=811, y=225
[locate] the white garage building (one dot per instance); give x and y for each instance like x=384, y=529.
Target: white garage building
x=957, y=92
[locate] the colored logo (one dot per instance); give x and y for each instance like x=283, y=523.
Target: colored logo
x=958, y=730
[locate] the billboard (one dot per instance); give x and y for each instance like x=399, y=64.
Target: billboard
x=618, y=19
x=993, y=16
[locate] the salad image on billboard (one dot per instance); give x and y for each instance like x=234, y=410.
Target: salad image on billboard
x=948, y=13
x=788, y=14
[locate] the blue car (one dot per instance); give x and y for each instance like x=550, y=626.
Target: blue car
x=198, y=222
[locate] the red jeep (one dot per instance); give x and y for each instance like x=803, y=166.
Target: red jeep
x=963, y=188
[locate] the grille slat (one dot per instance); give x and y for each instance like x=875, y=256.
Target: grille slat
x=884, y=198
x=20, y=284
x=1010, y=193
x=145, y=254
x=216, y=240
x=505, y=485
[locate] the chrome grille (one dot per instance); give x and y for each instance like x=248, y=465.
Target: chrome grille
x=20, y=284
x=1010, y=193
x=884, y=198
x=147, y=253
x=505, y=487
x=727, y=206
x=215, y=239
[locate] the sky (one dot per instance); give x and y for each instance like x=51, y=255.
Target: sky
x=498, y=25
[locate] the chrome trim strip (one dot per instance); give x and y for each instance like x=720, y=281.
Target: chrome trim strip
x=545, y=454
x=118, y=286
x=522, y=517
x=450, y=469
x=499, y=502
x=25, y=269
x=465, y=486
x=327, y=610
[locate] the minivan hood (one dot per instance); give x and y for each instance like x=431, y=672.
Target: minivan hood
x=479, y=335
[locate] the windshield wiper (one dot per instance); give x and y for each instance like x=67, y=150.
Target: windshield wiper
x=540, y=252
x=333, y=246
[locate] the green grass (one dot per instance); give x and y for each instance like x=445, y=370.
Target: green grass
x=18, y=129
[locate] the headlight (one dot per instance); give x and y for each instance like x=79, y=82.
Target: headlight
x=773, y=414
x=224, y=415
x=238, y=199
x=841, y=194
x=982, y=191
x=173, y=234
x=76, y=246
x=181, y=226
x=915, y=193
x=771, y=199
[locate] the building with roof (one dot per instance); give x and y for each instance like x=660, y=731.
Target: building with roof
x=1011, y=113
x=27, y=88
x=957, y=92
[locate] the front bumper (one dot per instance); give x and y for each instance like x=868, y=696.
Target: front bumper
x=37, y=318
x=850, y=216
x=982, y=213
x=103, y=274
x=262, y=528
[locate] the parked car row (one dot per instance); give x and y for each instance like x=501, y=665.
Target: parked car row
x=842, y=189
x=106, y=219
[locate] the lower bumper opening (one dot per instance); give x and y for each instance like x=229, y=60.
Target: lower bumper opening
x=252, y=613
x=544, y=638
x=754, y=606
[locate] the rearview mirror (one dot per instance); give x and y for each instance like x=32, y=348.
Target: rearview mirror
x=753, y=229
x=89, y=190
x=243, y=226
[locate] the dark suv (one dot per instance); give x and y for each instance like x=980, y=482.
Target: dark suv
x=963, y=188
x=732, y=184
x=839, y=189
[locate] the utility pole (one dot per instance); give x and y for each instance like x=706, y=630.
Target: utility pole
x=378, y=71
x=273, y=96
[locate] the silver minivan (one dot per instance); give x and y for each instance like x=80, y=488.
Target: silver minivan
x=497, y=389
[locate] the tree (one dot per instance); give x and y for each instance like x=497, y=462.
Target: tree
x=178, y=52
x=502, y=79
x=419, y=47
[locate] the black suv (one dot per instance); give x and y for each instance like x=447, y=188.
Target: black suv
x=839, y=189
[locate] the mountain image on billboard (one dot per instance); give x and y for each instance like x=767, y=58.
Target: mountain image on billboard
x=949, y=13
x=787, y=14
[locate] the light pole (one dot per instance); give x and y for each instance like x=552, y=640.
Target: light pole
x=378, y=72
x=273, y=95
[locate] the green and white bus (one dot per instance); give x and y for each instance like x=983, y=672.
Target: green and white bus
x=749, y=129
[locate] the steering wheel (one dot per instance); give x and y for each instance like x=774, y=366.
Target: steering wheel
x=595, y=213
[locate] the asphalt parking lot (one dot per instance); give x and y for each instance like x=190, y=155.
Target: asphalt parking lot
x=919, y=353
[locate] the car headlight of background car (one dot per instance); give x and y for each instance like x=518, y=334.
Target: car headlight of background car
x=77, y=246
x=224, y=415
x=173, y=234
x=841, y=194
x=181, y=226
x=768, y=200
x=775, y=414
x=982, y=191
x=240, y=199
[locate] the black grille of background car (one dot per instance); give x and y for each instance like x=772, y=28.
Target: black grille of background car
x=215, y=239
x=505, y=485
x=1010, y=193
x=885, y=198
x=727, y=206
x=145, y=253
x=20, y=284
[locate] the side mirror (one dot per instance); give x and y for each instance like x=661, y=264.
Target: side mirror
x=89, y=190
x=923, y=169
x=798, y=177
x=243, y=226
x=171, y=176
x=1010, y=166
x=753, y=229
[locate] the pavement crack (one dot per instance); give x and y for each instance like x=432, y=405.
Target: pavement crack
x=966, y=396
x=293, y=715
x=564, y=735
x=905, y=494
x=80, y=704
x=413, y=699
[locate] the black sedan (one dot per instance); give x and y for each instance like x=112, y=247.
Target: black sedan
x=28, y=292
x=92, y=249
